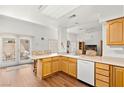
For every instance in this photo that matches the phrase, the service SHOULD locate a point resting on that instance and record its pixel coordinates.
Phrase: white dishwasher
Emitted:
(85, 71)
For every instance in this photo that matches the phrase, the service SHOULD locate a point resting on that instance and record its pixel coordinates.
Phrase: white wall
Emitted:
(73, 42)
(91, 37)
(62, 38)
(11, 25)
(72, 37)
(111, 51)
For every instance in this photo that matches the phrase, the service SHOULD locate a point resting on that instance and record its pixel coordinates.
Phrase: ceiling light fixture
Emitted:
(80, 29)
(72, 16)
(40, 7)
(76, 23)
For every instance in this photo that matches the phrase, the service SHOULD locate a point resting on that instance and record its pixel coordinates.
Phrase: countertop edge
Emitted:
(96, 59)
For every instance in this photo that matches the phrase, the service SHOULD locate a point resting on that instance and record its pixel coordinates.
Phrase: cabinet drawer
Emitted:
(102, 72)
(46, 59)
(101, 84)
(102, 66)
(102, 78)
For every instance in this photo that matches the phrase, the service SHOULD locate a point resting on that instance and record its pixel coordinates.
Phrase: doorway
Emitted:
(14, 50)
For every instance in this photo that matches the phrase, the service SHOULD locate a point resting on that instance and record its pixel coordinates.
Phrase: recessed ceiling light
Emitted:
(72, 16)
(76, 23)
(40, 6)
(80, 29)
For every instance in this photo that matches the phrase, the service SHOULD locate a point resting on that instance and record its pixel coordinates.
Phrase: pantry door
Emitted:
(25, 50)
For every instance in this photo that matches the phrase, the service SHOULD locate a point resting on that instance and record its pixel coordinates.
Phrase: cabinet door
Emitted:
(55, 66)
(60, 63)
(118, 77)
(123, 29)
(64, 65)
(46, 68)
(115, 32)
(72, 69)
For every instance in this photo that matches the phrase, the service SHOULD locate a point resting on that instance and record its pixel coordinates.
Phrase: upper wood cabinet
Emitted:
(115, 32)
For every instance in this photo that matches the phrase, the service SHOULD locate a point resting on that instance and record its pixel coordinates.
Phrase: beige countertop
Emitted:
(99, 59)
(44, 56)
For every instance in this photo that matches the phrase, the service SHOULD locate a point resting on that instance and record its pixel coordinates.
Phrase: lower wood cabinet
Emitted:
(55, 64)
(43, 67)
(102, 75)
(100, 83)
(69, 66)
(64, 66)
(72, 68)
(109, 76)
(46, 68)
(118, 76)
(105, 75)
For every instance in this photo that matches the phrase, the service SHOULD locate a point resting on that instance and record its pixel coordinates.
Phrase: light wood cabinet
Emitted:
(55, 64)
(109, 76)
(100, 83)
(115, 32)
(105, 75)
(103, 78)
(102, 66)
(118, 76)
(64, 67)
(72, 67)
(123, 29)
(46, 67)
(69, 66)
(50, 65)
(64, 64)
(102, 74)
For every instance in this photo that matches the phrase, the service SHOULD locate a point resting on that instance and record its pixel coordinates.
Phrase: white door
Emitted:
(8, 51)
(14, 50)
(24, 50)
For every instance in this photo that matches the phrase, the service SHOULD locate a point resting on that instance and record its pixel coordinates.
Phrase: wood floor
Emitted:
(23, 76)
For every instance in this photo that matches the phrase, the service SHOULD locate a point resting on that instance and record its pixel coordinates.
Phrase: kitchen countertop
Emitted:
(99, 59)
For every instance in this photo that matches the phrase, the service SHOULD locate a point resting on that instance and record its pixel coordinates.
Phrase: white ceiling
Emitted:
(94, 26)
(57, 11)
(30, 13)
(90, 13)
(90, 17)
(70, 16)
